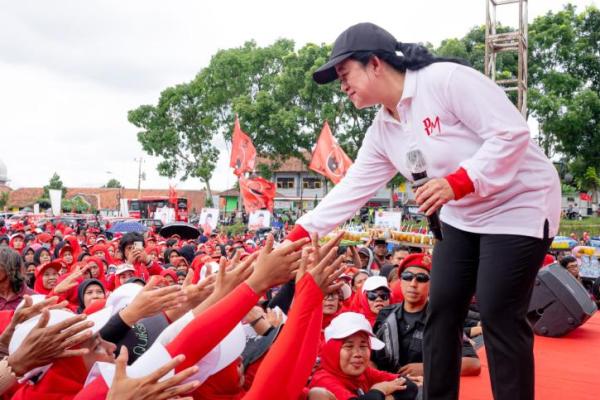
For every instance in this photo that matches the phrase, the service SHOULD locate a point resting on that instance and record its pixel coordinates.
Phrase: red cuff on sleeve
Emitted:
(460, 183)
(298, 233)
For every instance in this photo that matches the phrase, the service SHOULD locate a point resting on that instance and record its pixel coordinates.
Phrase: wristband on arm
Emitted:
(460, 183)
(297, 233)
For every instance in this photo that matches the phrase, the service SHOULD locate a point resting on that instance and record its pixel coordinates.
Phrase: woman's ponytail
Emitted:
(413, 56)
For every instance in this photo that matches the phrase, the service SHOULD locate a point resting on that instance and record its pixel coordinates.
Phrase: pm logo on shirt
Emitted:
(431, 126)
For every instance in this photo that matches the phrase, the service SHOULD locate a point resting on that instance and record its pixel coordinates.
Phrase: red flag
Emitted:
(257, 193)
(172, 195)
(585, 197)
(328, 158)
(243, 153)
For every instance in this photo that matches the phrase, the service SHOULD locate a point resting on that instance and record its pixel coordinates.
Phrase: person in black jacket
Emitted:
(401, 326)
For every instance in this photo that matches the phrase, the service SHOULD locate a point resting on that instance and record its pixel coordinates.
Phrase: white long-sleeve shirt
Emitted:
(457, 117)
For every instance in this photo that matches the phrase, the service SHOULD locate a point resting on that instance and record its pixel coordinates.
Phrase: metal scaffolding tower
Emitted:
(511, 41)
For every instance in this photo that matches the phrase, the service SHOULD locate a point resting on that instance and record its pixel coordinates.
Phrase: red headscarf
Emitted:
(360, 304)
(62, 381)
(225, 384)
(74, 243)
(331, 377)
(104, 249)
(101, 273)
(171, 273)
(38, 286)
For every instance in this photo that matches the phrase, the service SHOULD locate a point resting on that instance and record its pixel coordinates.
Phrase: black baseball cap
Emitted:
(360, 37)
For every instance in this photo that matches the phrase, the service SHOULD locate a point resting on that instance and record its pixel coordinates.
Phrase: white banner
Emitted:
(259, 219)
(209, 217)
(36, 208)
(123, 208)
(388, 219)
(55, 201)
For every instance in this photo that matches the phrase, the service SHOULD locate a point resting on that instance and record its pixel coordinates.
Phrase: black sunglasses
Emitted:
(372, 296)
(421, 277)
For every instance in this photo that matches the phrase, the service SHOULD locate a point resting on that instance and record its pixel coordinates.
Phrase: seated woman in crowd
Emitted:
(345, 370)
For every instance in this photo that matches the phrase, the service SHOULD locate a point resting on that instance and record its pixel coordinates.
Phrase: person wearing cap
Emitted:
(375, 295)
(12, 283)
(367, 259)
(405, 323)
(501, 195)
(123, 273)
(17, 242)
(380, 252)
(344, 370)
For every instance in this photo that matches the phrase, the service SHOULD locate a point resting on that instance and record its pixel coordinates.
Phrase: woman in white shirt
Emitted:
(500, 193)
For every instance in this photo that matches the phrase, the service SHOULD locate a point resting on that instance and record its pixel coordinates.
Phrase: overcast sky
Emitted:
(71, 69)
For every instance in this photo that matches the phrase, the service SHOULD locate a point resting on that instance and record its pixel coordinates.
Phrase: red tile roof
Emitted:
(292, 164)
(104, 198)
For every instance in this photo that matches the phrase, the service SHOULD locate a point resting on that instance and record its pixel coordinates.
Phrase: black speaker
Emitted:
(559, 303)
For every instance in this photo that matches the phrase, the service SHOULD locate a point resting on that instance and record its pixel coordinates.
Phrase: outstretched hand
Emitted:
(43, 344)
(274, 267)
(26, 311)
(152, 300)
(232, 274)
(150, 387)
(324, 270)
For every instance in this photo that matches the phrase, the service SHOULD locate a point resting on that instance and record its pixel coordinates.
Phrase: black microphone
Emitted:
(418, 168)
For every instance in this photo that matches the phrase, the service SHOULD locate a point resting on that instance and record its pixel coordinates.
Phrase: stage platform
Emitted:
(567, 368)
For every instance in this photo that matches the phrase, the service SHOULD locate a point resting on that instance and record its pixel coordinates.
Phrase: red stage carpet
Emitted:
(566, 368)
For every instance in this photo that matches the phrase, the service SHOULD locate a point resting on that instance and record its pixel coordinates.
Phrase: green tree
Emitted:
(564, 78)
(113, 183)
(3, 199)
(55, 183)
(279, 105)
(589, 181)
(179, 130)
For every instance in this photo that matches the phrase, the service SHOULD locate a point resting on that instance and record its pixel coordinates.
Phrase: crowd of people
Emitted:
(143, 316)
(85, 317)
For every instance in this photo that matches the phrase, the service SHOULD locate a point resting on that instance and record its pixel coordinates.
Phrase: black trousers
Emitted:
(500, 270)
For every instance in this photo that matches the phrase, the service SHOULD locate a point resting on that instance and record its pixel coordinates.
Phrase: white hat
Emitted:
(122, 296)
(348, 323)
(123, 268)
(375, 282)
